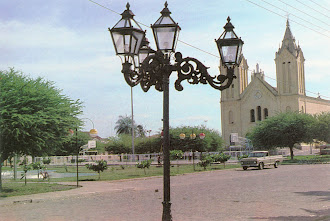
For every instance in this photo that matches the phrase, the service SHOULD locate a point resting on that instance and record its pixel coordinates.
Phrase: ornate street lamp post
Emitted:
(154, 69)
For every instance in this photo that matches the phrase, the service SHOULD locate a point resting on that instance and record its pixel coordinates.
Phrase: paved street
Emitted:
(286, 193)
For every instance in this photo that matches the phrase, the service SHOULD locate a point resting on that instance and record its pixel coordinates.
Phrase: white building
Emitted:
(243, 104)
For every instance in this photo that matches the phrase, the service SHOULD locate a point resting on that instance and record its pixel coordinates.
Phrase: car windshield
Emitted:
(257, 154)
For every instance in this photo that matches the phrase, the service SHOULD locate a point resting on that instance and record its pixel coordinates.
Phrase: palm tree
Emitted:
(140, 131)
(124, 125)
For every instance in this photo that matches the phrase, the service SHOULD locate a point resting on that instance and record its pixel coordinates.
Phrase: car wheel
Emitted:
(276, 164)
(261, 166)
(245, 168)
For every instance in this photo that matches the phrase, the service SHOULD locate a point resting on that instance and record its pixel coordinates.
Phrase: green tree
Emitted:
(120, 144)
(71, 145)
(99, 167)
(124, 126)
(34, 116)
(205, 161)
(283, 130)
(221, 157)
(38, 166)
(322, 127)
(176, 155)
(144, 164)
(211, 142)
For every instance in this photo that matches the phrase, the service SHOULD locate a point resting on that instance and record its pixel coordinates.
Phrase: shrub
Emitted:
(144, 164)
(222, 158)
(99, 167)
(46, 161)
(205, 161)
(243, 156)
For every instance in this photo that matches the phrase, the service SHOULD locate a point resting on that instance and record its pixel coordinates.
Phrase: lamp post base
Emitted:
(167, 215)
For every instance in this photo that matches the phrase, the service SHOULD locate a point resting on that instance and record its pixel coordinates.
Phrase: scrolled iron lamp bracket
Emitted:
(151, 72)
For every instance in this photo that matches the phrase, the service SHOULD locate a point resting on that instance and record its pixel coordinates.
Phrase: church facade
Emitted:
(244, 104)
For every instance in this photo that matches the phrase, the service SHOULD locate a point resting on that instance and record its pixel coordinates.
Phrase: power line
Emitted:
(312, 8)
(293, 15)
(104, 7)
(303, 12)
(320, 5)
(285, 18)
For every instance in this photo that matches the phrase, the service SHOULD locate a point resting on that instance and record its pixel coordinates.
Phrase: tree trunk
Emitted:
(291, 152)
(0, 175)
(25, 178)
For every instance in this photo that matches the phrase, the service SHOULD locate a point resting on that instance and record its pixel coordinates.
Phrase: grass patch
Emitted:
(308, 159)
(18, 189)
(129, 172)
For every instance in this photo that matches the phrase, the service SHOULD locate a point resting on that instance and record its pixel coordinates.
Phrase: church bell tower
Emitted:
(289, 60)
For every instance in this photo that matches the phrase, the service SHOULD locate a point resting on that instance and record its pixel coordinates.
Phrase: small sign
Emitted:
(91, 144)
(234, 137)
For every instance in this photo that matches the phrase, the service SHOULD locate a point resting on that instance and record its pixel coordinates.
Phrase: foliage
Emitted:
(124, 126)
(243, 156)
(46, 161)
(35, 116)
(176, 154)
(148, 145)
(120, 144)
(38, 166)
(140, 131)
(72, 144)
(283, 130)
(221, 157)
(144, 164)
(308, 159)
(99, 167)
(205, 161)
(211, 142)
(322, 127)
(26, 168)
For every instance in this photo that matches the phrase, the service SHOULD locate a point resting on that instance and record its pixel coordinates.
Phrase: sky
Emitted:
(68, 43)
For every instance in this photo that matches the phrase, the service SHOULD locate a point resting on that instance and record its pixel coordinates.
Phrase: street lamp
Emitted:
(93, 133)
(156, 68)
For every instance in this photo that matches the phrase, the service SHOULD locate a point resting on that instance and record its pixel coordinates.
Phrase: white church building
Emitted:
(244, 104)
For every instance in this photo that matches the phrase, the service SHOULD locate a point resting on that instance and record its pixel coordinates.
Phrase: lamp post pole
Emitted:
(132, 109)
(152, 68)
(166, 150)
(77, 156)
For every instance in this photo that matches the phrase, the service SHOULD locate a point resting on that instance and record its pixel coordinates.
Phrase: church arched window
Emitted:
(265, 113)
(231, 117)
(259, 113)
(252, 115)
